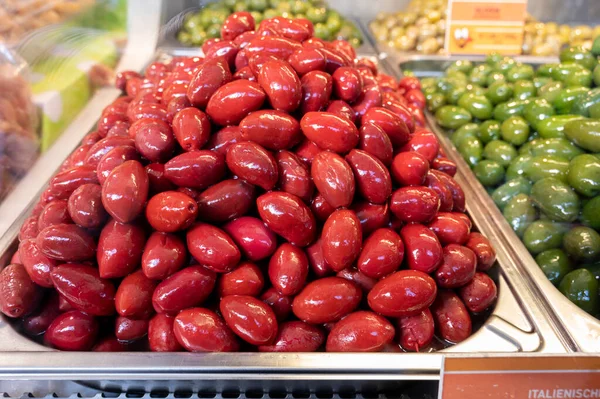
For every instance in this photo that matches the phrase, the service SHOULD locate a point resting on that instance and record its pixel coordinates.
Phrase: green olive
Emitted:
(542, 166)
(499, 92)
(467, 130)
(583, 243)
(452, 117)
(555, 199)
(517, 166)
(523, 89)
(489, 130)
(555, 264)
(543, 235)
(477, 105)
(470, 149)
(489, 173)
(590, 214)
(503, 194)
(581, 288)
(500, 151)
(515, 130)
(584, 175)
(519, 212)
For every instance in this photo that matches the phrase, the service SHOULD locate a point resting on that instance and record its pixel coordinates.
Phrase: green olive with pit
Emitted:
(477, 105)
(500, 151)
(471, 149)
(542, 166)
(503, 194)
(581, 288)
(517, 166)
(489, 130)
(489, 173)
(515, 130)
(452, 117)
(584, 175)
(556, 199)
(543, 235)
(520, 212)
(555, 264)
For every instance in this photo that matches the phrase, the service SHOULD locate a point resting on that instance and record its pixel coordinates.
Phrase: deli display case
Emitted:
(161, 65)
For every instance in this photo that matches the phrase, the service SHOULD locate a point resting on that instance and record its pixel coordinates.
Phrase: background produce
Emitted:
(206, 23)
(532, 137)
(221, 206)
(421, 27)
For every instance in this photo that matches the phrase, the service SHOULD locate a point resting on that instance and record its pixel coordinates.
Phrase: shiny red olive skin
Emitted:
(272, 129)
(294, 176)
(221, 140)
(307, 151)
(83, 288)
(102, 147)
(37, 265)
(112, 344)
(390, 123)
(369, 98)
(55, 212)
(373, 179)
(416, 332)
(458, 267)
(401, 111)
(316, 91)
(296, 336)
(191, 128)
(251, 319)
(254, 164)
(225, 49)
(286, 215)
(212, 74)
(333, 178)
(376, 142)
(281, 304)
(321, 208)
(449, 228)
(410, 168)
(66, 242)
(281, 84)
(225, 200)
(202, 330)
(213, 248)
(236, 24)
(233, 101)
(120, 248)
(329, 131)
(176, 105)
(38, 322)
(480, 293)
(434, 182)
(157, 179)
(64, 183)
(305, 60)
(444, 165)
(85, 206)
(382, 254)
(423, 249)
(325, 300)
(256, 62)
(247, 279)
(414, 204)
(196, 169)
(486, 255)
(347, 84)
(171, 211)
(184, 289)
(134, 296)
(127, 329)
(19, 296)
(254, 239)
(360, 331)
(365, 283)
(371, 216)
(451, 317)
(161, 337)
(288, 269)
(163, 255)
(72, 331)
(279, 47)
(341, 108)
(458, 195)
(342, 239)
(288, 28)
(316, 260)
(125, 191)
(403, 293)
(154, 139)
(425, 143)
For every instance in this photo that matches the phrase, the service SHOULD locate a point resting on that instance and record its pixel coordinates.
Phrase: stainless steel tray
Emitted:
(582, 329)
(518, 325)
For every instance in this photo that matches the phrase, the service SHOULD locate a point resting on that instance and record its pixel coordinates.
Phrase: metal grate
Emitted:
(73, 390)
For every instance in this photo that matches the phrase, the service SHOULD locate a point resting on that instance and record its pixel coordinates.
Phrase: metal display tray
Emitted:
(518, 325)
(582, 328)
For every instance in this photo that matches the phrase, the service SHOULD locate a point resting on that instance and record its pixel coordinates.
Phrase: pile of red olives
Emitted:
(277, 194)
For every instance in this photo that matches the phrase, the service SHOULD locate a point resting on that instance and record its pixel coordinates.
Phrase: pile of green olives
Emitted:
(206, 23)
(532, 138)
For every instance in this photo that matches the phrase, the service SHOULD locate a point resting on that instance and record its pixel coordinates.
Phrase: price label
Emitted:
(485, 26)
(540, 377)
